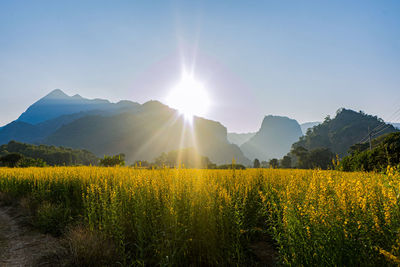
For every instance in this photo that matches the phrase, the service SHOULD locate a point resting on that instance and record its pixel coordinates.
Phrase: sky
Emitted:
(301, 59)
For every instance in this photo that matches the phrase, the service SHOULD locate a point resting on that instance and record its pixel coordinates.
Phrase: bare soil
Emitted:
(22, 246)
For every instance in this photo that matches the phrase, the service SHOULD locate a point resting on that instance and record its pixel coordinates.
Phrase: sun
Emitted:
(189, 97)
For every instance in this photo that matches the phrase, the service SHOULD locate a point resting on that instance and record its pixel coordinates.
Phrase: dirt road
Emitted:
(21, 246)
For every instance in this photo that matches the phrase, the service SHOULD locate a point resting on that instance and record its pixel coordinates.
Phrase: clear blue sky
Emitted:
(302, 59)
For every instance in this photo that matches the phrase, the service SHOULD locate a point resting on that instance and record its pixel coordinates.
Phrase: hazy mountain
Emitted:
(346, 129)
(308, 125)
(142, 132)
(55, 110)
(396, 125)
(144, 135)
(239, 138)
(57, 103)
(36, 133)
(274, 138)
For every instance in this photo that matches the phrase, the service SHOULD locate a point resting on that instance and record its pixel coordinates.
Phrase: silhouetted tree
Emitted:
(109, 161)
(302, 157)
(11, 160)
(274, 163)
(256, 163)
(286, 162)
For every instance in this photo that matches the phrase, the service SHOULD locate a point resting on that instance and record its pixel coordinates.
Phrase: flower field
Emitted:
(214, 217)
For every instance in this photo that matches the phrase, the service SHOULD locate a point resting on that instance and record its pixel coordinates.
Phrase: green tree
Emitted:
(256, 163)
(274, 163)
(11, 160)
(302, 157)
(286, 162)
(110, 161)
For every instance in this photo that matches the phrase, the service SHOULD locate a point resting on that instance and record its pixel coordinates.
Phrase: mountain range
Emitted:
(140, 131)
(273, 140)
(144, 131)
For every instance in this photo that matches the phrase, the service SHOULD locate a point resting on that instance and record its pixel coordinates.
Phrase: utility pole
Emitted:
(369, 137)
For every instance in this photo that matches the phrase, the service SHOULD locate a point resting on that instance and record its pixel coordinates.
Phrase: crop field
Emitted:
(215, 217)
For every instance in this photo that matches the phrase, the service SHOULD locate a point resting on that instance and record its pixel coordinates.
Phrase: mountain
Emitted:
(239, 138)
(396, 125)
(308, 125)
(274, 138)
(55, 110)
(142, 132)
(145, 134)
(346, 129)
(57, 103)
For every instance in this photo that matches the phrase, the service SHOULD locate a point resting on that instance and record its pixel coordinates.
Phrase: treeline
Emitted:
(15, 154)
(302, 158)
(333, 144)
(385, 152)
(184, 158)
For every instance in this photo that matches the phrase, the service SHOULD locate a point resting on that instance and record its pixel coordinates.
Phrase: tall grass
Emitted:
(211, 217)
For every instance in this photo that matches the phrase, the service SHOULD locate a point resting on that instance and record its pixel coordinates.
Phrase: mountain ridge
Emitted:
(57, 103)
(274, 139)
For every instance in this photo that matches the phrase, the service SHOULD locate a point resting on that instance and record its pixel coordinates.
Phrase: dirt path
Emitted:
(20, 246)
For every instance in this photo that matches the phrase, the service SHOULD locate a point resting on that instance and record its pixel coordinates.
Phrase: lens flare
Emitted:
(189, 97)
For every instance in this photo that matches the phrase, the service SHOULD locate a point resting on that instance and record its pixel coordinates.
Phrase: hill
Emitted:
(143, 135)
(51, 155)
(346, 129)
(274, 138)
(396, 125)
(57, 103)
(385, 151)
(308, 125)
(239, 138)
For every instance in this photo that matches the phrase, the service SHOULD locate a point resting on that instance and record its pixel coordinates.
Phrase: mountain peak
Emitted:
(57, 93)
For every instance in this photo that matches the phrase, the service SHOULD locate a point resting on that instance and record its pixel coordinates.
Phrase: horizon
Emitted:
(141, 103)
(303, 61)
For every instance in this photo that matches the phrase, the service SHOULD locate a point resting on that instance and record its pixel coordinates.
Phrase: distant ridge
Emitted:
(57, 103)
(142, 132)
(274, 138)
(239, 138)
(308, 125)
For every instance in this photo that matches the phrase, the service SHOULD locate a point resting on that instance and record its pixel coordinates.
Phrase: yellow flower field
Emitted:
(211, 217)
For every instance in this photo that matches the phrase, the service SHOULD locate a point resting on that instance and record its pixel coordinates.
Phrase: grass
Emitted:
(214, 217)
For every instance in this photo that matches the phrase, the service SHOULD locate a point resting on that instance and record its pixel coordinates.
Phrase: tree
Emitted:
(302, 157)
(11, 160)
(30, 162)
(316, 158)
(321, 158)
(110, 161)
(286, 162)
(274, 163)
(256, 163)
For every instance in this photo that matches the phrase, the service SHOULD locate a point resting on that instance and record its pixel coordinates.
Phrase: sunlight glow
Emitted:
(189, 97)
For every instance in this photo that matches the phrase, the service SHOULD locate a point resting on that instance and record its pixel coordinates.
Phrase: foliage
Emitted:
(274, 163)
(286, 162)
(184, 217)
(319, 158)
(111, 161)
(231, 166)
(346, 129)
(385, 152)
(186, 157)
(256, 163)
(53, 156)
(11, 159)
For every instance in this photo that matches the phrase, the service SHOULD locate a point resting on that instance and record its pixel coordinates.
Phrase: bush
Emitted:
(51, 218)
